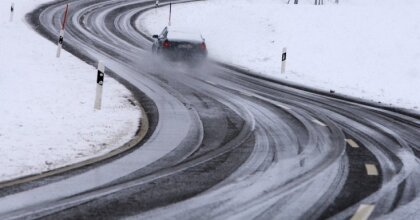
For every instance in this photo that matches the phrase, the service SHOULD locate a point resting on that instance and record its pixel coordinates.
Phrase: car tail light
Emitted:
(166, 44)
(203, 46)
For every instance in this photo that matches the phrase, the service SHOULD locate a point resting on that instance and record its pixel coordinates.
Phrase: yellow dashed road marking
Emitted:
(371, 169)
(282, 106)
(363, 212)
(319, 123)
(352, 143)
(212, 83)
(246, 94)
(276, 103)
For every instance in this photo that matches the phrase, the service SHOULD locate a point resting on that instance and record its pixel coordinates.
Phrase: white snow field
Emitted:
(47, 117)
(363, 48)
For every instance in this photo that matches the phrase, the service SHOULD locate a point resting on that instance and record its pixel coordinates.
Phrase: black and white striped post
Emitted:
(12, 11)
(283, 60)
(99, 85)
(60, 43)
(157, 4)
(61, 37)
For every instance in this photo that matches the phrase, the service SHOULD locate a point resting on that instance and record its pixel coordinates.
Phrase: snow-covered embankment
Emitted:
(363, 48)
(47, 119)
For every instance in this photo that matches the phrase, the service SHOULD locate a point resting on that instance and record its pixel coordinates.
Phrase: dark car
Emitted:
(179, 44)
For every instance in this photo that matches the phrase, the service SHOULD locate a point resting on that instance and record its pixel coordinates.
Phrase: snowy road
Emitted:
(224, 144)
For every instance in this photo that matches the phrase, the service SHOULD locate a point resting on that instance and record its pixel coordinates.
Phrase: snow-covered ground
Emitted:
(363, 48)
(47, 119)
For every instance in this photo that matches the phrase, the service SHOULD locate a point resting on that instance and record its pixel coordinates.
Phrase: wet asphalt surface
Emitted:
(223, 143)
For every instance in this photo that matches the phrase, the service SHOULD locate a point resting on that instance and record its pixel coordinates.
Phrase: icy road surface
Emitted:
(226, 144)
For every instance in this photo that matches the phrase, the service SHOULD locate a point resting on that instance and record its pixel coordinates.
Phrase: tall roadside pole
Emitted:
(99, 85)
(170, 13)
(12, 11)
(63, 26)
(156, 5)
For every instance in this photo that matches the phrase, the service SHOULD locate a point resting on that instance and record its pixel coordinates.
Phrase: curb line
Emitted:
(140, 134)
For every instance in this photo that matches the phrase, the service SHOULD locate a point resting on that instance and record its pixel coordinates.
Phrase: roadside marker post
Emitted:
(60, 43)
(283, 60)
(170, 13)
(61, 37)
(99, 85)
(12, 11)
(157, 4)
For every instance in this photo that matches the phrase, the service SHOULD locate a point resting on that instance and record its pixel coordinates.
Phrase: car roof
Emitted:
(184, 34)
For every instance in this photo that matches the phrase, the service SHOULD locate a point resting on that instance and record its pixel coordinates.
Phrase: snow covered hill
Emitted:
(363, 48)
(47, 119)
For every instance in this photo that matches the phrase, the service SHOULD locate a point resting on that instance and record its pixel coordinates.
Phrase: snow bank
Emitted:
(47, 118)
(363, 48)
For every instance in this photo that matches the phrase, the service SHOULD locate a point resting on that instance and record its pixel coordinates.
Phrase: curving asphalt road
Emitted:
(225, 144)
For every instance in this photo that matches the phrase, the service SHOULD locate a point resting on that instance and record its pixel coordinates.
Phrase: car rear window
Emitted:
(184, 36)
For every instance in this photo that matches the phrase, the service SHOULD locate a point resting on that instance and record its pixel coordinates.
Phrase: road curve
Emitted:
(227, 145)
